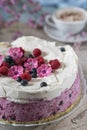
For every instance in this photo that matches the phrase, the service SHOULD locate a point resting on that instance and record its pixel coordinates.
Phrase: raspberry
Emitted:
(18, 62)
(40, 60)
(36, 52)
(50, 62)
(21, 61)
(4, 70)
(26, 76)
(55, 64)
(5, 64)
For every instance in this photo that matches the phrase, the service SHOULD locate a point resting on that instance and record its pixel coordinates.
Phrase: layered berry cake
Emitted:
(39, 81)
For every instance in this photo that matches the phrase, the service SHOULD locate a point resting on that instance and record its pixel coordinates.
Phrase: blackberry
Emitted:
(43, 84)
(31, 56)
(24, 82)
(12, 64)
(19, 79)
(34, 75)
(9, 60)
(62, 49)
(34, 70)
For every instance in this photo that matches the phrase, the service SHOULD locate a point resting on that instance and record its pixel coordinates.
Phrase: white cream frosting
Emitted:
(61, 79)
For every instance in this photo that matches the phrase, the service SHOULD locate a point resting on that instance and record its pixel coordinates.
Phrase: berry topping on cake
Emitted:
(18, 62)
(40, 60)
(43, 84)
(62, 49)
(5, 64)
(22, 66)
(55, 64)
(16, 52)
(44, 70)
(12, 64)
(21, 61)
(26, 76)
(33, 73)
(31, 56)
(15, 71)
(19, 79)
(24, 82)
(34, 70)
(31, 63)
(9, 60)
(36, 52)
(3, 70)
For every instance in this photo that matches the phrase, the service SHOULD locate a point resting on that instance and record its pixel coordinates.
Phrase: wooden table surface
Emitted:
(77, 120)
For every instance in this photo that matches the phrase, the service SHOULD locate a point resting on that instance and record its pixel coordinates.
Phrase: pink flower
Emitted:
(1, 59)
(15, 71)
(32, 23)
(31, 63)
(16, 53)
(24, 6)
(44, 70)
(13, 2)
(10, 22)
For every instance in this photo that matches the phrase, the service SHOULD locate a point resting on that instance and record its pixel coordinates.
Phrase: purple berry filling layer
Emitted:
(39, 109)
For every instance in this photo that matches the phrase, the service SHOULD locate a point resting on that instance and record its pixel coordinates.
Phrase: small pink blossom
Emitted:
(44, 70)
(31, 63)
(13, 2)
(1, 59)
(16, 52)
(15, 71)
(10, 22)
(24, 6)
(32, 23)
(7, 9)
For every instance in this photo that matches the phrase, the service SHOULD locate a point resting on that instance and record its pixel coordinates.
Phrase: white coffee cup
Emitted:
(67, 25)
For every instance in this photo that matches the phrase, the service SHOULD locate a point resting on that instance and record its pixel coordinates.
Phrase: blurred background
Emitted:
(30, 12)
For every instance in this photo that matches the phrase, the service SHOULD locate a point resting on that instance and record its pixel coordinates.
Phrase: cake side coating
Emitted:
(59, 81)
(40, 110)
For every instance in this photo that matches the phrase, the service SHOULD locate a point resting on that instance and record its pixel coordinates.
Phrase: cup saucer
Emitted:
(52, 31)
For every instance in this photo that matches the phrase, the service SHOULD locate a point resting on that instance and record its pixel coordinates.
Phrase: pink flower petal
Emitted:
(31, 63)
(16, 53)
(44, 70)
(15, 71)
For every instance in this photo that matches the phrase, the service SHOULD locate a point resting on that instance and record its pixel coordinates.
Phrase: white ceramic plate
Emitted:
(53, 32)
